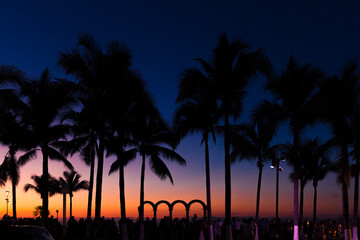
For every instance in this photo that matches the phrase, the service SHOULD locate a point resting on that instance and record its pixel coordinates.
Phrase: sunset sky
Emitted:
(164, 37)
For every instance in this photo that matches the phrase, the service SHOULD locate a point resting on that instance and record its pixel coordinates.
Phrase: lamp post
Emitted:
(7, 203)
(276, 164)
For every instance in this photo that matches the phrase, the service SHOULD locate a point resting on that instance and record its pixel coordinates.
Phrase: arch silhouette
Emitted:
(153, 206)
(202, 204)
(187, 208)
(171, 206)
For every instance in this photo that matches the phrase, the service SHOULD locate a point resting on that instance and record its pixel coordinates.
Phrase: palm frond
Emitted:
(160, 169)
(27, 157)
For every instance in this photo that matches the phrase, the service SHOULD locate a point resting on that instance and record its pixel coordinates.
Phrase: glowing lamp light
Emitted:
(272, 166)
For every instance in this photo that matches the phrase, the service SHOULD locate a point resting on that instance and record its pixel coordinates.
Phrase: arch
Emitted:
(168, 204)
(153, 206)
(202, 204)
(187, 208)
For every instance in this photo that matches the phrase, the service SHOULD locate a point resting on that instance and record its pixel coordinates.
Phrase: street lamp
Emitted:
(275, 164)
(7, 203)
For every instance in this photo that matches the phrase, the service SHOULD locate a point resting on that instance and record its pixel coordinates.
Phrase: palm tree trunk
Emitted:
(123, 233)
(64, 214)
(99, 178)
(277, 189)
(260, 165)
(344, 186)
(45, 195)
(208, 189)
(141, 207)
(227, 178)
(91, 187)
(315, 200)
(302, 186)
(356, 200)
(70, 205)
(296, 185)
(14, 199)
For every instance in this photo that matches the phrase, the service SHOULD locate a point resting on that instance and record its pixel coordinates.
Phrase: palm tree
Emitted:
(151, 134)
(123, 158)
(338, 97)
(197, 113)
(72, 181)
(315, 164)
(252, 141)
(46, 100)
(293, 91)
(84, 142)
(319, 167)
(103, 76)
(39, 211)
(229, 72)
(355, 168)
(12, 134)
(52, 185)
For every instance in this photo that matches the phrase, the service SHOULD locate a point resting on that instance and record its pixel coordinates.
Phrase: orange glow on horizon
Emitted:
(189, 185)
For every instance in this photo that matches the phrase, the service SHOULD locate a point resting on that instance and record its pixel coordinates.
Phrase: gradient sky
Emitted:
(164, 37)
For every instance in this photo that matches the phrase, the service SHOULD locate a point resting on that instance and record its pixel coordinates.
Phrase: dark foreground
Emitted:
(181, 229)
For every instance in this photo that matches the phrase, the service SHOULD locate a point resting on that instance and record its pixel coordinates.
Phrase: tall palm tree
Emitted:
(72, 181)
(252, 141)
(196, 112)
(229, 72)
(84, 142)
(123, 158)
(46, 100)
(103, 75)
(292, 90)
(151, 135)
(338, 97)
(315, 164)
(13, 134)
(355, 124)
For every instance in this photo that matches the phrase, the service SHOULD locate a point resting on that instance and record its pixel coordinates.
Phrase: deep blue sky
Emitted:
(165, 36)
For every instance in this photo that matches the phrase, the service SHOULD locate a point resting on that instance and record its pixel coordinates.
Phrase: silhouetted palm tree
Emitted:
(39, 211)
(40, 184)
(338, 98)
(315, 164)
(293, 91)
(252, 141)
(151, 135)
(72, 180)
(123, 158)
(13, 134)
(319, 166)
(355, 124)
(229, 72)
(46, 100)
(103, 76)
(84, 142)
(197, 113)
